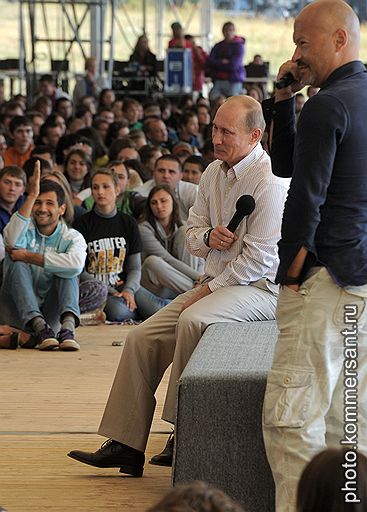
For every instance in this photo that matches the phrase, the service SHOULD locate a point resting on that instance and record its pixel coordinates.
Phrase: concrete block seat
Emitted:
(218, 430)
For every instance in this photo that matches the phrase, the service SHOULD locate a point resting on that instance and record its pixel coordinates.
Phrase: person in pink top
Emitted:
(199, 58)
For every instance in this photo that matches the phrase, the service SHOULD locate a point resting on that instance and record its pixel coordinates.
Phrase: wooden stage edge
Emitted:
(51, 403)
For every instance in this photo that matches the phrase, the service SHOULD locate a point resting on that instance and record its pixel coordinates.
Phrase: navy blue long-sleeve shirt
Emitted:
(326, 208)
(5, 215)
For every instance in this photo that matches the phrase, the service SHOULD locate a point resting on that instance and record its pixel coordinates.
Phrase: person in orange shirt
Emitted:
(22, 134)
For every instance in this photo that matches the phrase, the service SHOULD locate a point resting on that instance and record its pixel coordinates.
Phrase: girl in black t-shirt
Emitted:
(114, 252)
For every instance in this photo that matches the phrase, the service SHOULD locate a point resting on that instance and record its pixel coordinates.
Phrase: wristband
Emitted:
(292, 280)
(206, 237)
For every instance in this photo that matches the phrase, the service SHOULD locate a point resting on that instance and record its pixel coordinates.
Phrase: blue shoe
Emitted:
(47, 339)
(66, 340)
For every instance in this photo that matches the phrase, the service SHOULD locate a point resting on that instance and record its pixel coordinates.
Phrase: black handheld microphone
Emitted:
(286, 80)
(244, 206)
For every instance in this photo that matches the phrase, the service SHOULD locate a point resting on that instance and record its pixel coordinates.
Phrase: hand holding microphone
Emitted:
(221, 237)
(287, 79)
(287, 76)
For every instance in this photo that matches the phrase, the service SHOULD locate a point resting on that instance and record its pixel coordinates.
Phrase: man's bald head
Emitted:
(326, 34)
(247, 110)
(331, 15)
(237, 128)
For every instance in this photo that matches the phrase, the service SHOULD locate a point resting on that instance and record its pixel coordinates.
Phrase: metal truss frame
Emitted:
(105, 25)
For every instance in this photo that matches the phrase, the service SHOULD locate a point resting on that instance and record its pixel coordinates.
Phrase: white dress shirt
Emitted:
(254, 255)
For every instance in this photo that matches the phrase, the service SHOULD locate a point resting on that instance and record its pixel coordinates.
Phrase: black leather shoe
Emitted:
(164, 458)
(113, 455)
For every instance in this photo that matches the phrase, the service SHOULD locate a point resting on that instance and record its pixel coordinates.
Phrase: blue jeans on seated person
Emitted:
(147, 304)
(226, 88)
(19, 303)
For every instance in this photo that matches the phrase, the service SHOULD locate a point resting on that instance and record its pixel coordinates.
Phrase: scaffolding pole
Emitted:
(96, 39)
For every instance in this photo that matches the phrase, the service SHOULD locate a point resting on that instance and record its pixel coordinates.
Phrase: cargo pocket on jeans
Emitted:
(288, 398)
(349, 310)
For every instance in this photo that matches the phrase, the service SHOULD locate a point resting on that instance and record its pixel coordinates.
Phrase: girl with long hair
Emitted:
(77, 170)
(168, 268)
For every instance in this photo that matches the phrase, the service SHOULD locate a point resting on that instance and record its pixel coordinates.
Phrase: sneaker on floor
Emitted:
(67, 340)
(47, 339)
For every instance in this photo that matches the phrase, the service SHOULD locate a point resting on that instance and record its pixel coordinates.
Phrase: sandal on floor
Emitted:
(9, 341)
(28, 341)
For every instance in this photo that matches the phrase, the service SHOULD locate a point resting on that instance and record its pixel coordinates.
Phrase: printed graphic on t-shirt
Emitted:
(106, 258)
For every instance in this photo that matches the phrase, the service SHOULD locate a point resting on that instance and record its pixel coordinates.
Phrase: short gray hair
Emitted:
(254, 118)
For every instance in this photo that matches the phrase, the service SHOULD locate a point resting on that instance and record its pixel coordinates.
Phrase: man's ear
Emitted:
(255, 136)
(340, 39)
(62, 210)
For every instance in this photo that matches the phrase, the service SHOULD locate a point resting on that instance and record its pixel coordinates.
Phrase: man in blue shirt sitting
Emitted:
(40, 289)
(12, 185)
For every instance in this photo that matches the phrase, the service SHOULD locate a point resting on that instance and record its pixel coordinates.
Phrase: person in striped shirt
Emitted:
(238, 285)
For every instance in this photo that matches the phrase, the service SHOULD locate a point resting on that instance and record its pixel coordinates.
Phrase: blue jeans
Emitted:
(225, 88)
(147, 304)
(19, 304)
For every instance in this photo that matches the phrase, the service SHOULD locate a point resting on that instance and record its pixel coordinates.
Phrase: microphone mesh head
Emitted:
(245, 204)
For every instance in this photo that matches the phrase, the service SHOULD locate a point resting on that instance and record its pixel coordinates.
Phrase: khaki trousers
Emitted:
(305, 406)
(171, 336)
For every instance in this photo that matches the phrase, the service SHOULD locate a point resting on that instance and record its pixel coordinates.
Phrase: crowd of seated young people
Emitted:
(129, 172)
(74, 138)
(146, 144)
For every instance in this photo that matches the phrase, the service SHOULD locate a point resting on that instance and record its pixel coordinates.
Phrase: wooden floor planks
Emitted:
(50, 403)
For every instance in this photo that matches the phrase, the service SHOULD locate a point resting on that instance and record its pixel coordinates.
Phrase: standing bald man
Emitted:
(238, 285)
(316, 394)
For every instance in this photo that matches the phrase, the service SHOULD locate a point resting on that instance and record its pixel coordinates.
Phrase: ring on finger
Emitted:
(221, 242)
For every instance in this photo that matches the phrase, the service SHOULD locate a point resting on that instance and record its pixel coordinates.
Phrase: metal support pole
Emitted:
(102, 31)
(21, 48)
(112, 42)
(95, 25)
(159, 23)
(144, 16)
(206, 24)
